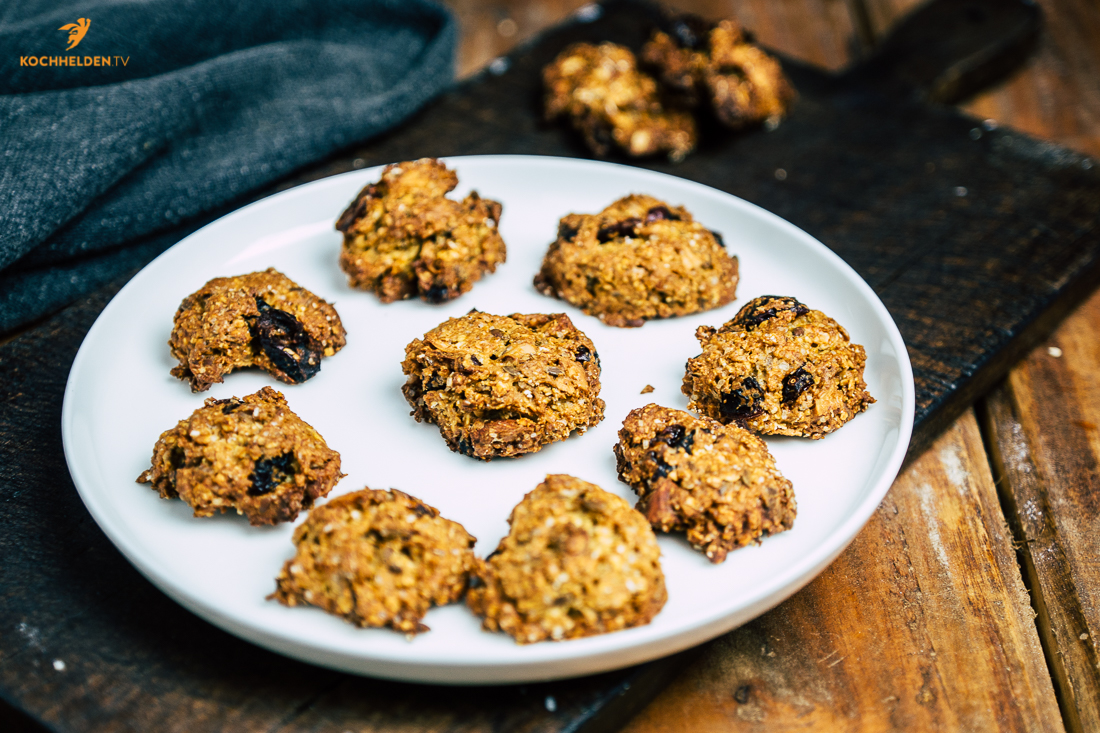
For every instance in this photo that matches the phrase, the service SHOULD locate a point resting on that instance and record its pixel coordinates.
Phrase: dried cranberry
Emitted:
(567, 231)
(269, 473)
(660, 213)
(436, 294)
(357, 208)
(795, 383)
(676, 436)
(626, 228)
(583, 354)
(754, 314)
(742, 403)
(662, 469)
(287, 343)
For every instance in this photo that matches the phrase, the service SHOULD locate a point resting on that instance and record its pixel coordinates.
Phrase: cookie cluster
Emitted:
(577, 560)
(689, 67)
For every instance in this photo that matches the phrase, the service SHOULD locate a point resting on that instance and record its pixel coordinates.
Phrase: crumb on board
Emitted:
(647, 389)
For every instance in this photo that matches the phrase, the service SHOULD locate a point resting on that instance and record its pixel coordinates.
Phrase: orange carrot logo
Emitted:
(76, 32)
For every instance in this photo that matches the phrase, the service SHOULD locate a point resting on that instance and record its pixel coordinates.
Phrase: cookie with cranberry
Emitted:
(403, 238)
(601, 92)
(504, 385)
(377, 558)
(778, 368)
(577, 561)
(715, 65)
(262, 319)
(638, 259)
(251, 455)
(716, 483)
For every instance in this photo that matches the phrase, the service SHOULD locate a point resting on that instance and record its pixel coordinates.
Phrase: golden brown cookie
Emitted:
(504, 385)
(377, 558)
(701, 63)
(253, 455)
(718, 483)
(577, 561)
(778, 368)
(404, 238)
(609, 102)
(261, 319)
(638, 259)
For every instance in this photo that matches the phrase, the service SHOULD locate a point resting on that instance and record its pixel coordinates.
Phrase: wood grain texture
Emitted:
(1056, 96)
(1041, 423)
(1044, 427)
(922, 624)
(491, 29)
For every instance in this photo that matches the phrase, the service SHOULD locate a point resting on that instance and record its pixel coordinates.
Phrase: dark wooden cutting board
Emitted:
(873, 168)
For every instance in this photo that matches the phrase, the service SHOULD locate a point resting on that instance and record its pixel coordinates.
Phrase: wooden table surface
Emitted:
(970, 600)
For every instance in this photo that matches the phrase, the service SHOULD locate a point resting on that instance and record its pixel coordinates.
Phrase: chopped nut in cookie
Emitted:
(577, 561)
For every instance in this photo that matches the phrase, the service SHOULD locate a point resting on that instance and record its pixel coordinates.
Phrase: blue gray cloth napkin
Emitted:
(124, 125)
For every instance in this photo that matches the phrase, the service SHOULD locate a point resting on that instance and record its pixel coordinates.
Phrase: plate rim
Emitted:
(593, 657)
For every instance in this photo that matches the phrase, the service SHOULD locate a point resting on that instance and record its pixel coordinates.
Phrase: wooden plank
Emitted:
(489, 30)
(1038, 430)
(1057, 95)
(922, 624)
(1044, 425)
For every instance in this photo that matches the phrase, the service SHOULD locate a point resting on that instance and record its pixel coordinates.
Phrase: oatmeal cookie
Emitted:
(577, 561)
(610, 102)
(778, 368)
(377, 558)
(404, 238)
(697, 62)
(718, 483)
(261, 319)
(638, 259)
(252, 454)
(504, 385)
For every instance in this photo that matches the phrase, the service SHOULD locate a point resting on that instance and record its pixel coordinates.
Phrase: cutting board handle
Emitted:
(947, 50)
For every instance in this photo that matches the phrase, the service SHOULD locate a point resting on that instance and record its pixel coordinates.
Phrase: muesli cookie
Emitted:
(577, 561)
(715, 64)
(778, 368)
(610, 103)
(253, 455)
(377, 558)
(262, 319)
(504, 385)
(717, 483)
(404, 238)
(638, 259)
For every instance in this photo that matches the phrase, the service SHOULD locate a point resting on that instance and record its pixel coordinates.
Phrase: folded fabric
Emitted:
(123, 122)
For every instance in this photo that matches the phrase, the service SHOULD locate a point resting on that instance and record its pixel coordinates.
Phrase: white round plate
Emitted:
(120, 397)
